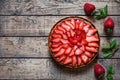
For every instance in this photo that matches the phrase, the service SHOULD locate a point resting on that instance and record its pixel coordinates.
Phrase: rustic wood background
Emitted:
(24, 29)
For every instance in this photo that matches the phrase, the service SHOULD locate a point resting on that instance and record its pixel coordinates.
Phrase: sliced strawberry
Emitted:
(72, 53)
(74, 61)
(58, 31)
(82, 48)
(72, 33)
(93, 44)
(92, 39)
(77, 24)
(78, 51)
(84, 58)
(68, 60)
(91, 32)
(84, 42)
(71, 25)
(81, 24)
(55, 40)
(64, 41)
(55, 45)
(75, 47)
(83, 35)
(64, 36)
(61, 58)
(65, 26)
(73, 22)
(56, 35)
(78, 32)
(86, 27)
(79, 38)
(88, 54)
(79, 61)
(59, 53)
(73, 41)
(91, 49)
(65, 45)
(56, 49)
(79, 44)
(61, 28)
(68, 34)
(68, 50)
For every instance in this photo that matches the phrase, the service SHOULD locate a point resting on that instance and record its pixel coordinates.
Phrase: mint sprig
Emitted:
(110, 69)
(102, 13)
(109, 77)
(110, 49)
(110, 72)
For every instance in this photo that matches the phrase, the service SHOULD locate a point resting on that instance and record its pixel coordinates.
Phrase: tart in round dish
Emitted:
(74, 42)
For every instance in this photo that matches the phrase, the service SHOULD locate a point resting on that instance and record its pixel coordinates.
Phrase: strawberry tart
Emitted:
(74, 42)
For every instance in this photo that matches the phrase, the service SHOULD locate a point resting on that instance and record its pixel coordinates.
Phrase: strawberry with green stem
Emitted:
(89, 9)
(99, 71)
(109, 26)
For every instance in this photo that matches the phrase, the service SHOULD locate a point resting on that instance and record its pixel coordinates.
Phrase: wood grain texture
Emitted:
(36, 47)
(53, 7)
(41, 25)
(48, 69)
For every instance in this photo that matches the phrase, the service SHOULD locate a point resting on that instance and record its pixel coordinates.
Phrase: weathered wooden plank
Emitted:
(41, 25)
(28, 69)
(57, 7)
(36, 47)
(48, 69)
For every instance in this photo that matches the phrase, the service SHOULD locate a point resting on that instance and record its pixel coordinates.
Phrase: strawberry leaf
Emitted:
(110, 69)
(101, 76)
(94, 12)
(113, 44)
(109, 77)
(109, 30)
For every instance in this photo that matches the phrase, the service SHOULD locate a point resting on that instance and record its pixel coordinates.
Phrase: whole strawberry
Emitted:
(99, 71)
(109, 26)
(89, 8)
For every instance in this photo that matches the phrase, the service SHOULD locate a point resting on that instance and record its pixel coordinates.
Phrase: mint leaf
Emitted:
(116, 48)
(113, 44)
(102, 12)
(110, 69)
(109, 77)
(105, 10)
(105, 48)
(107, 54)
(110, 49)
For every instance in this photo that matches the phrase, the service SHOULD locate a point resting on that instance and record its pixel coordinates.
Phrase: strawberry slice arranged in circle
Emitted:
(84, 58)
(59, 53)
(68, 50)
(68, 60)
(74, 61)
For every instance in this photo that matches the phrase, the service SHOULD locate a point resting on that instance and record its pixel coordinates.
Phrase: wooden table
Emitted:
(24, 29)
